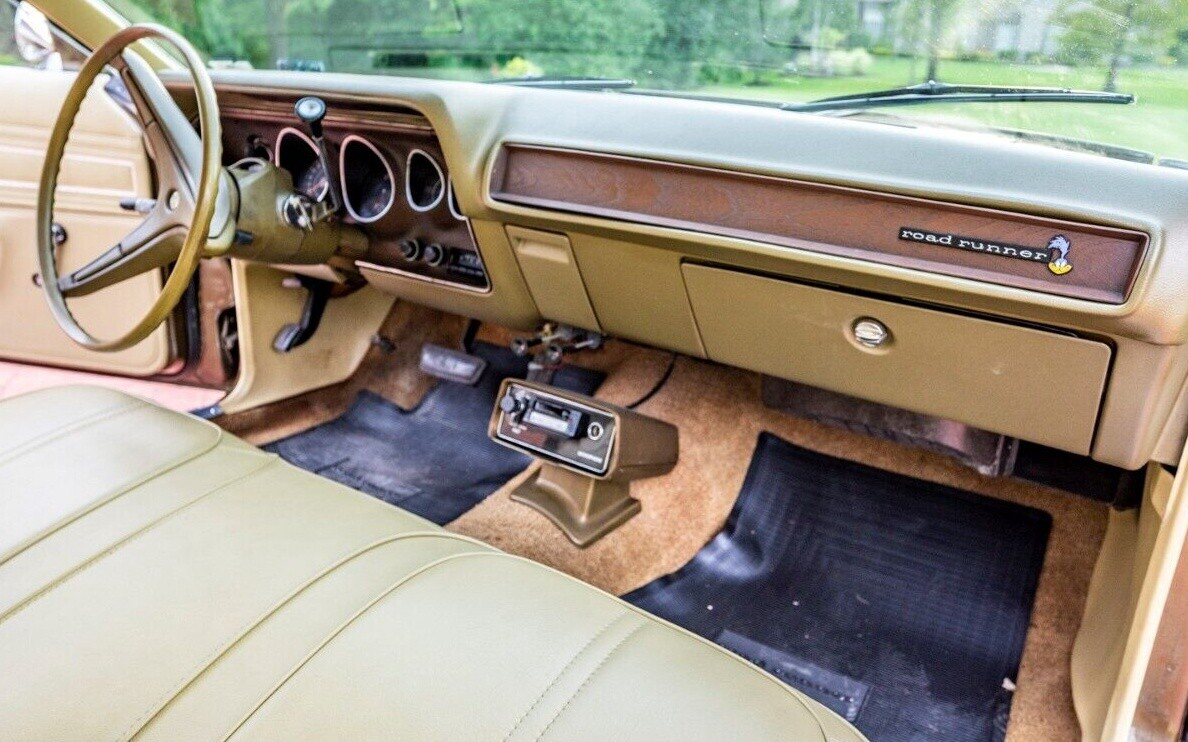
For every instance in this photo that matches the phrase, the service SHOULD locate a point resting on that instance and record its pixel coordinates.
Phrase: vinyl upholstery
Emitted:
(161, 579)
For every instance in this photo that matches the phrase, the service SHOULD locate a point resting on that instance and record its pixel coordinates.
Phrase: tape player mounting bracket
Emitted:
(590, 451)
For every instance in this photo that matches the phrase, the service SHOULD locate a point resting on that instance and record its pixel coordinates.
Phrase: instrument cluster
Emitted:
(367, 178)
(394, 186)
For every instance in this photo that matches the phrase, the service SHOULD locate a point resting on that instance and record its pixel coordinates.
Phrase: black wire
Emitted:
(659, 384)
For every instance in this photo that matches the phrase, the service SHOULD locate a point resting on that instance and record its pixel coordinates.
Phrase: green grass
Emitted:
(1157, 123)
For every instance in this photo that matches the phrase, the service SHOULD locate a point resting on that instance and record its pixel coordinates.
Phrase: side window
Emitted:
(27, 38)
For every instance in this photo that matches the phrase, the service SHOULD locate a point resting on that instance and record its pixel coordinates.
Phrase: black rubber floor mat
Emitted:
(436, 460)
(900, 604)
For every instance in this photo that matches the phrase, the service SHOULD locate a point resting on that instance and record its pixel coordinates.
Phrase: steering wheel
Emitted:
(178, 224)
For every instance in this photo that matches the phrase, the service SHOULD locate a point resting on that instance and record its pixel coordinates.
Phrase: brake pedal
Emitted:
(451, 365)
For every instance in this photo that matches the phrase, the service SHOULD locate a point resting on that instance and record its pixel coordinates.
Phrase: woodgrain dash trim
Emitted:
(836, 220)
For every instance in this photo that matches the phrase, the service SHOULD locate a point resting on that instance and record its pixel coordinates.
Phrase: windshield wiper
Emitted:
(939, 92)
(572, 83)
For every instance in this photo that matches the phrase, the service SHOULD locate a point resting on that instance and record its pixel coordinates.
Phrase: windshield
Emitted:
(750, 50)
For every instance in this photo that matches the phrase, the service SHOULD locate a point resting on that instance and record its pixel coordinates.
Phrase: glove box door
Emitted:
(1037, 385)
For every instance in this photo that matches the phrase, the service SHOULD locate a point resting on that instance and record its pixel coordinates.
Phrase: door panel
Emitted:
(105, 161)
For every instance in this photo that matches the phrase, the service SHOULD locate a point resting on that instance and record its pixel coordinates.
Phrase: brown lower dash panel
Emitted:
(1052, 256)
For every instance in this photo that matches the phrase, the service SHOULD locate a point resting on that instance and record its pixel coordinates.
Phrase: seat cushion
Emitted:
(162, 579)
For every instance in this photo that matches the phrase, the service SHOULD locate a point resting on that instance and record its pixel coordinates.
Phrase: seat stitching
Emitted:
(113, 548)
(589, 677)
(563, 670)
(60, 432)
(119, 491)
(670, 626)
(335, 633)
(227, 644)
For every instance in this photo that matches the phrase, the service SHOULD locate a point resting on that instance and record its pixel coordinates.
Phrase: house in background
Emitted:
(1018, 27)
(876, 17)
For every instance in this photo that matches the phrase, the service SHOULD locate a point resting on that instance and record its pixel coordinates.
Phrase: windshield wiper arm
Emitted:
(939, 92)
(571, 83)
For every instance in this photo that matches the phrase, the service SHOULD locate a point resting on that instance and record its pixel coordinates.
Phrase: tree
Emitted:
(927, 23)
(205, 23)
(566, 37)
(940, 18)
(819, 29)
(1117, 31)
(709, 40)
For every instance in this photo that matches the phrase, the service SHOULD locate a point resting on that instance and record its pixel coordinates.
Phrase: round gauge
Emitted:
(367, 179)
(313, 181)
(424, 183)
(296, 152)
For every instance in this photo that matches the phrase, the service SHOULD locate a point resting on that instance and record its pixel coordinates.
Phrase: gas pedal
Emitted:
(451, 365)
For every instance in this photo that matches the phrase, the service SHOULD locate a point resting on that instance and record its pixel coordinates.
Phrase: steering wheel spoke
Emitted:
(138, 253)
(155, 243)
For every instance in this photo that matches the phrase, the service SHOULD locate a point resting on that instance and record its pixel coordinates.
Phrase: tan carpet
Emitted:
(720, 416)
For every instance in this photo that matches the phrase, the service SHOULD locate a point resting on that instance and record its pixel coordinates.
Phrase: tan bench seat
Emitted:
(160, 579)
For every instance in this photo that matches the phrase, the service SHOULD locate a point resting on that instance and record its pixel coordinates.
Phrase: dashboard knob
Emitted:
(410, 249)
(434, 254)
(513, 406)
(311, 110)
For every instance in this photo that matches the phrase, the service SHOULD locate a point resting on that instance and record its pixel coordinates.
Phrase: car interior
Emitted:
(414, 408)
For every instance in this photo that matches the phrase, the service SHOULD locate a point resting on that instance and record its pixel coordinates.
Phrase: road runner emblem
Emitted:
(1055, 255)
(1059, 245)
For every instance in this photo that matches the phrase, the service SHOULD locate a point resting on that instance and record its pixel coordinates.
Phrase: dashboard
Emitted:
(391, 173)
(1025, 290)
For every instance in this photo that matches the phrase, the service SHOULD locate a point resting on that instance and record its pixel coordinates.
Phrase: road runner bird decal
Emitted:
(1059, 245)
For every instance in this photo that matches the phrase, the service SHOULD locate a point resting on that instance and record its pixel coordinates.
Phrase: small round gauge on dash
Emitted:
(367, 179)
